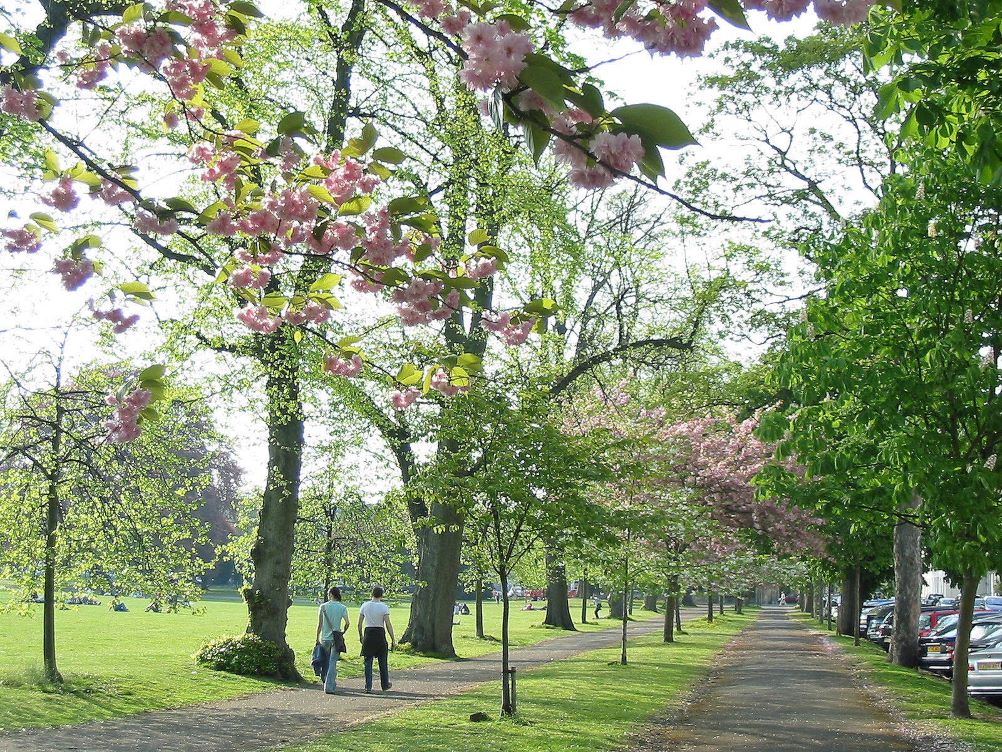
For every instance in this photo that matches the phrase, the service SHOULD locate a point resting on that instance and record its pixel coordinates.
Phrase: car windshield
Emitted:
(980, 631)
(993, 601)
(924, 621)
(946, 624)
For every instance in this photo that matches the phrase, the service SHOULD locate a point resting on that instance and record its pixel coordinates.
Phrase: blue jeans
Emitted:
(384, 672)
(329, 675)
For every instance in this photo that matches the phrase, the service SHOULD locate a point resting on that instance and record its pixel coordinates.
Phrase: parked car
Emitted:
(932, 599)
(876, 618)
(949, 602)
(936, 650)
(984, 678)
(930, 620)
(869, 611)
(993, 602)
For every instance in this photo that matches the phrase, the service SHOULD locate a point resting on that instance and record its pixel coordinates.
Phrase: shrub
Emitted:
(247, 654)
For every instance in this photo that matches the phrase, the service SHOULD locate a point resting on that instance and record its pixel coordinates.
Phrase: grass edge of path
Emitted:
(570, 705)
(918, 697)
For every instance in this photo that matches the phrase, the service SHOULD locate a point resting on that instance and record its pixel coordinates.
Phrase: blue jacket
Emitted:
(320, 659)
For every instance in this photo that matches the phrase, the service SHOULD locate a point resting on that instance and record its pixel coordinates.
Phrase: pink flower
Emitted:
(149, 224)
(113, 194)
(151, 47)
(98, 69)
(481, 268)
(403, 400)
(26, 239)
(22, 104)
(117, 318)
(74, 273)
(494, 54)
(258, 319)
(843, 12)
(248, 278)
(124, 424)
(336, 365)
(455, 24)
(63, 197)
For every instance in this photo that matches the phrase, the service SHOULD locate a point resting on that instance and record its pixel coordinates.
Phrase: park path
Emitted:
(271, 719)
(777, 690)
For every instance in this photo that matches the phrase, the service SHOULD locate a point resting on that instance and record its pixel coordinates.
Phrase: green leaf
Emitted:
(320, 193)
(389, 154)
(250, 126)
(588, 98)
(150, 414)
(541, 307)
(133, 13)
(536, 138)
(136, 290)
(52, 160)
(361, 145)
(426, 384)
(546, 82)
(176, 18)
(655, 123)
(470, 362)
(245, 9)
(408, 205)
(297, 336)
(180, 204)
(292, 123)
(274, 301)
(9, 43)
(462, 283)
(731, 11)
(45, 221)
(153, 373)
(326, 282)
(409, 375)
(355, 206)
(622, 9)
(478, 236)
(458, 376)
(517, 23)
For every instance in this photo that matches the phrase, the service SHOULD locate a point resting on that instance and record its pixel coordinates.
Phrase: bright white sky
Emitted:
(36, 306)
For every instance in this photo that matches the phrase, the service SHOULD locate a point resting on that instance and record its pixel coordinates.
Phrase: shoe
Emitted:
(329, 693)
(387, 688)
(368, 691)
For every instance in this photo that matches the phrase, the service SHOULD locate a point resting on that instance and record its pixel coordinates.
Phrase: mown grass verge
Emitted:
(920, 697)
(587, 702)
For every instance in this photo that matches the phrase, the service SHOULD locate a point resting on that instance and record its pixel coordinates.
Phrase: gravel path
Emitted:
(271, 719)
(778, 691)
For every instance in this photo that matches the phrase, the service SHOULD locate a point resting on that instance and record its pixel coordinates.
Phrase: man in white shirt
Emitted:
(373, 626)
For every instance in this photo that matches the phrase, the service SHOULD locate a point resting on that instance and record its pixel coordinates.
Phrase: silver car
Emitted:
(984, 678)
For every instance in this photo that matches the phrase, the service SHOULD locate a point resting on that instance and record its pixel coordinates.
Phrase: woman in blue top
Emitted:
(330, 634)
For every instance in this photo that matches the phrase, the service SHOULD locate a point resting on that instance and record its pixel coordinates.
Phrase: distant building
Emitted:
(937, 582)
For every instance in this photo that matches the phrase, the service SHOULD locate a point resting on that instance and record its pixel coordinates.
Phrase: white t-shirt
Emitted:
(372, 612)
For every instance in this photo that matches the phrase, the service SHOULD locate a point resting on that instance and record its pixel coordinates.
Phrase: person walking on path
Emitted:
(374, 619)
(597, 603)
(330, 634)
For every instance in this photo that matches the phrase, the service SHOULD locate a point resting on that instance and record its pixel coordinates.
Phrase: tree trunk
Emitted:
(857, 607)
(583, 594)
(480, 608)
(627, 593)
(268, 595)
(739, 605)
(845, 615)
(720, 604)
(429, 628)
(904, 650)
(558, 608)
(709, 607)
(651, 602)
(808, 601)
(828, 606)
(615, 606)
(52, 511)
(960, 706)
(506, 708)
(678, 617)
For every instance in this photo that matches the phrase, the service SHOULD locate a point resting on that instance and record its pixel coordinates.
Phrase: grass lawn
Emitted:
(121, 663)
(573, 705)
(924, 698)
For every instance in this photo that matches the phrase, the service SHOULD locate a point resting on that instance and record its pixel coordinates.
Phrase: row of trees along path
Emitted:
(271, 719)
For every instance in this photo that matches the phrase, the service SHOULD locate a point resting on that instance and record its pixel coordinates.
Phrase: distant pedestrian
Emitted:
(456, 611)
(497, 597)
(374, 619)
(596, 601)
(332, 622)
(782, 598)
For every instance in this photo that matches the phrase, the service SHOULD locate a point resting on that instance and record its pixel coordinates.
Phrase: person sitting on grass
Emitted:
(330, 635)
(374, 619)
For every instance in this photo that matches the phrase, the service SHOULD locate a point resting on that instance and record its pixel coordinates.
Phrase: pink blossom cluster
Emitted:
(183, 75)
(511, 332)
(22, 104)
(247, 277)
(419, 302)
(401, 400)
(367, 283)
(430, 8)
(843, 12)
(74, 273)
(664, 26)
(63, 197)
(117, 318)
(336, 235)
(381, 248)
(258, 319)
(220, 165)
(25, 239)
(495, 54)
(337, 365)
(271, 256)
(347, 176)
(619, 151)
(441, 382)
(97, 69)
(481, 268)
(124, 424)
(210, 30)
(113, 194)
(151, 46)
(148, 223)
(312, 312)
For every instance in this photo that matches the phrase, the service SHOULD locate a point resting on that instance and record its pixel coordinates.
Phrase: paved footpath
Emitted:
(779, 691)
(272, 719)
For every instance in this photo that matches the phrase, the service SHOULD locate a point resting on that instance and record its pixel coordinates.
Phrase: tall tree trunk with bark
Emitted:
(480, 608)
(848, 604)
(907, 588)
(808, 604)
(709, 607)
(651, 601)
(857, 606)
(678, 617)
(583, 594)
(52, 514)
(268, 595)
(960, 706)
(558, 607)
